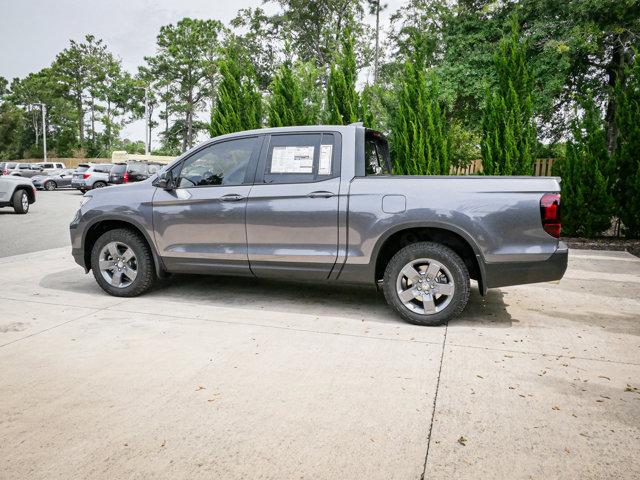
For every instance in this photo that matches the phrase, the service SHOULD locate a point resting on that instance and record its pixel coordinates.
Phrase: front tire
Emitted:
(20, 202)
(50, 185)
(122, 264)
(426, 283)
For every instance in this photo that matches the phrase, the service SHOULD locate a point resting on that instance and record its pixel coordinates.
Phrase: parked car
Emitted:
(132, 171)
(319, 203)
(17, 192)
(48, 166)
(20, 169)
(53, 179)
(90, 176)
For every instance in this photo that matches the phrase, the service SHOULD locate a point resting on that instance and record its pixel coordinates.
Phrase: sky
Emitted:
(33, 32)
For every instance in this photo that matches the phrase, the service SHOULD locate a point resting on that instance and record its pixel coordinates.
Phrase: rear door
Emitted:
(292, 212)
(200, 225)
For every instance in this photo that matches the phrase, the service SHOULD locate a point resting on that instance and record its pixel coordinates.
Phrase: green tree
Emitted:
(508, 129)
(286, 104)
(238, 104)
(342, 98)
(419, 136)
(626, 159)
(185, 66)
(586, 197)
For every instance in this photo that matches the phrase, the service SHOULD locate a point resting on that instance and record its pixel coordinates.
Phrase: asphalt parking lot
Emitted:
(206, 378)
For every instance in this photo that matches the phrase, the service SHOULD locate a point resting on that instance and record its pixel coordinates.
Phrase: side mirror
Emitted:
(164, 181)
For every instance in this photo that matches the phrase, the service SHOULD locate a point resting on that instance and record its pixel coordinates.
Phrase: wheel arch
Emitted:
(450, 236)
(30, 193)
(103, 225)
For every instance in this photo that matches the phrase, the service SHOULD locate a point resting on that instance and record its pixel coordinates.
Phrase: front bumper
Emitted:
(519, 273)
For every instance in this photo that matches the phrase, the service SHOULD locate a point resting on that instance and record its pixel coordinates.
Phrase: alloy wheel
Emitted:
(118, 264)
(425, 286)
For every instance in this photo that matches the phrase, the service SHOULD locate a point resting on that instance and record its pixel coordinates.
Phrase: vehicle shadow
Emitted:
(346, 301)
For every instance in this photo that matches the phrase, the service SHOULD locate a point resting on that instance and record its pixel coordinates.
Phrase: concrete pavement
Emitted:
(45, 226)
(200, 379)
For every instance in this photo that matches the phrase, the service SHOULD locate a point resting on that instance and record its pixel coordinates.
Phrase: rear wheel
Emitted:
(122, 264)
(426, 283)
(20, 201)
(99, 185)
(50, 185)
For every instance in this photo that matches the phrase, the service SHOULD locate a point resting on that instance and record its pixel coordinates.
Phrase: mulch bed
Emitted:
(605, 243)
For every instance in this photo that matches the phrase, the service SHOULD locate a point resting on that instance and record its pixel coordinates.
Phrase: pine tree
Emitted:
(626, 158)
(342, 98)
(586, 199)
(238, 104)
(286, 105)
(508, 129)
(419, 137)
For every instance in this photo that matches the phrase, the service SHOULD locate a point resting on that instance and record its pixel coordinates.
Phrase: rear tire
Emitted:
(50, 185)
(136, 258)
(433, 281)
(99, 185)
(20, 201)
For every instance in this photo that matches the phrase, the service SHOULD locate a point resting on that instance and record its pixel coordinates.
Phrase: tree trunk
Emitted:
(377, 53)
(615, 74)
(80, 118)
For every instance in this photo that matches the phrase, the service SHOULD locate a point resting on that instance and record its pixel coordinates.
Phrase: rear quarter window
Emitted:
(118, 169)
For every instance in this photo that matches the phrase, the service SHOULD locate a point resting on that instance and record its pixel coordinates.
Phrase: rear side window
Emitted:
(11, 165)
(301, 158)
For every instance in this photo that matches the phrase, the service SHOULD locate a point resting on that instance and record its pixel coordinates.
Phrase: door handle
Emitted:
(231, 197)
(320, 194)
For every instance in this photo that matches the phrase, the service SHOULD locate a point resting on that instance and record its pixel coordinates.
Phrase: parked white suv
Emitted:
(17, 192)
(46, 166)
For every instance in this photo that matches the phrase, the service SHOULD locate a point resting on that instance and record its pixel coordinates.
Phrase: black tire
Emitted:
(50, 185)
(146, 276)
(99, 185)
(17, 201)
(441, 254)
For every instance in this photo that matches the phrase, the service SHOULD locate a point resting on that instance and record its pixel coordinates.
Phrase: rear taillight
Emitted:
(125, 177)
(5, 172)
(86, 175)
(550, 214)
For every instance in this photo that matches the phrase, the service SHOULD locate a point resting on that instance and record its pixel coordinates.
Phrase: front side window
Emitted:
(300, 158)
(223, 163)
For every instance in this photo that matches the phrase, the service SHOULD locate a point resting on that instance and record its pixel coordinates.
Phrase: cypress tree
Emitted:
(508, 129)
(419, 137)
(342, 98)
(238, 104)
(586, 200)
(626, 158)
(286, 105)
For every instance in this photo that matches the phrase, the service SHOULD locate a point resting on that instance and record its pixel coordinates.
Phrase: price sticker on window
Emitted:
(324, 166)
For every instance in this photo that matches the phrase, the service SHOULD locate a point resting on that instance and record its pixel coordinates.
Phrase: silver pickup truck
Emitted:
(319, 203)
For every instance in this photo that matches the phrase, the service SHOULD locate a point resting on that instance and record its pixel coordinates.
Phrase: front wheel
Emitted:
(50, 185)
(122, 264)
(426, 283)
(20, 201)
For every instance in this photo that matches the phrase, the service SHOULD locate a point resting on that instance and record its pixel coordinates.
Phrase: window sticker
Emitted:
(324, 168)
(292, 159)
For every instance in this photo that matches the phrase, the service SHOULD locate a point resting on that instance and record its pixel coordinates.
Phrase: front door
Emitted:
(200, 225)
(292, 212)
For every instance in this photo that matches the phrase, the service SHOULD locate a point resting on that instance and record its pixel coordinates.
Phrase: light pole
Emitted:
(43, 108)
(147, 137)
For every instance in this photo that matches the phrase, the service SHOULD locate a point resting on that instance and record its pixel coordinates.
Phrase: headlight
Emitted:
(84, 200)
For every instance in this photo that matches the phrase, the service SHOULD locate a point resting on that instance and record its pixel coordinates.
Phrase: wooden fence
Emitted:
(541, 167)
